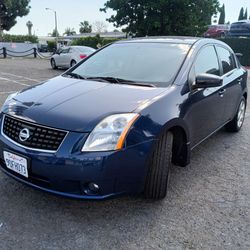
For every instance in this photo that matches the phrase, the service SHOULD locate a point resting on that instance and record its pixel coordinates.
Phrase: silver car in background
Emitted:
(67, 57)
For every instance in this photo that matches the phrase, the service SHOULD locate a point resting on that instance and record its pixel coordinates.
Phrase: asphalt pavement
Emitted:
(208, 204)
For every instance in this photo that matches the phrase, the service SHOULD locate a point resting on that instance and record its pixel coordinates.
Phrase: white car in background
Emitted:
(67, 57)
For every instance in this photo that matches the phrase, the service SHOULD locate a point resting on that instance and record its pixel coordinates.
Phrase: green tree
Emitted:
(85, 27)
(10, 10)
(241, 15)
(162, 17)
(69, 32)
(245, 15)
(222, 15)
(54, 33)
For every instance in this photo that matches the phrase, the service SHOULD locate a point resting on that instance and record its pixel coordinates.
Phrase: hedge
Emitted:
(240, 45)
(93, 42)
(18, 38)
(51, 46)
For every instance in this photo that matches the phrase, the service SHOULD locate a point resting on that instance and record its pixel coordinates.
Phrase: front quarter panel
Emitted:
(159, 116)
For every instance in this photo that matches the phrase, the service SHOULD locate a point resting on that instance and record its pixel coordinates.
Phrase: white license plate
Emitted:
(16, 163)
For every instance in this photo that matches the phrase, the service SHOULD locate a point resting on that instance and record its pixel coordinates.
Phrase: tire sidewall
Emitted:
(53, 63)
(73, 63)
(242, 100)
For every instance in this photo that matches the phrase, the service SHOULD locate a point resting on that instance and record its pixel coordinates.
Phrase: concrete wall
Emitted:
(18, 47)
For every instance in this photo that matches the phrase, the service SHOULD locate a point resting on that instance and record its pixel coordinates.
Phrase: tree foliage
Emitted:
(245, 15)
(162, 17)
(18, 38)
(94, 42)
(241, 15)
(99, 27)
(222, 15)
(85, 27)
(69, 32)
(54, 33)
(10, 10)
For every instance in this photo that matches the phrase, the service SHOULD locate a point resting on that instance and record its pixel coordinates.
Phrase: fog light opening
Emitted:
(91, 188)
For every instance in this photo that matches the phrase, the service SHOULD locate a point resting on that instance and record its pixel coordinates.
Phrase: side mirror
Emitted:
(207, 81)
(239, 55)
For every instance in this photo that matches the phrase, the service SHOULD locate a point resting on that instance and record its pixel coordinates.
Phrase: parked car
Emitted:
(215, 31)
(115, 123)
(69, 56)
(42, 48)
(240, 28)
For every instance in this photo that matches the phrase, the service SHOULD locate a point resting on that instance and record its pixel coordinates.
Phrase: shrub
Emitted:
(51, 46)
(93, 42)
(18, 38)
(240, 45)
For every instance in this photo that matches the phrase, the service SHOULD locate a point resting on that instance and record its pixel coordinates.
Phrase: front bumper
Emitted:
(68, 171)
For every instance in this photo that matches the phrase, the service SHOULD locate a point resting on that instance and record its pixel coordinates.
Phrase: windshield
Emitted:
(156, 63)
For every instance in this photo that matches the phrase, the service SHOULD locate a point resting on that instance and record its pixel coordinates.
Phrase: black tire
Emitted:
(72, 63)
(236, 124)
(159, 170)
(222, 35)
(53, 63)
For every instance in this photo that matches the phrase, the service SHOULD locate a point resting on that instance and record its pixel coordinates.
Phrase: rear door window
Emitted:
(207, 62)
(227, 59)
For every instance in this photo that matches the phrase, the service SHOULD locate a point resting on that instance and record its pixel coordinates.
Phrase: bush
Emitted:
(240, 45)
(51, 46)
(18, 38)
(93, 42)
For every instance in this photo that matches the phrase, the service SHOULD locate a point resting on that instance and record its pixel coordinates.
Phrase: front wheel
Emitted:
(236, 124)
(159, 170)
(53, 63)
(73, 63)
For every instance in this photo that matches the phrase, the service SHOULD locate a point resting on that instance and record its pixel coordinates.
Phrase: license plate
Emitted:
(16, 163)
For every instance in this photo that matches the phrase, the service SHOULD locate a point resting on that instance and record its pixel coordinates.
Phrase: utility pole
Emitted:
(56, 29)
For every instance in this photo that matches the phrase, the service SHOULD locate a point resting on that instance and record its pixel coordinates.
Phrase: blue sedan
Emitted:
(118, 121)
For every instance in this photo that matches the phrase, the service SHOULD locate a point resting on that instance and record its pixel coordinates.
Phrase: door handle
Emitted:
(222, 92)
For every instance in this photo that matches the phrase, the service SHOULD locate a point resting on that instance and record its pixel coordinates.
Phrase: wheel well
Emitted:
(181, 150)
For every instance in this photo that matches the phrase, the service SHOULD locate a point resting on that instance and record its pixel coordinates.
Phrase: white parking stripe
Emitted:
(8, 92)
(13, 81)
(22, 77)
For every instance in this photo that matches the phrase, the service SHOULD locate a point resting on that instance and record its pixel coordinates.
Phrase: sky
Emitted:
(71, 13)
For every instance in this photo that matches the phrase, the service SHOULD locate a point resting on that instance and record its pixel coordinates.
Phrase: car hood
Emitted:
(77, 105)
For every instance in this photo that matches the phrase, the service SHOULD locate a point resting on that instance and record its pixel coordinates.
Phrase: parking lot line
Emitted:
(13, 81)
(22, 77)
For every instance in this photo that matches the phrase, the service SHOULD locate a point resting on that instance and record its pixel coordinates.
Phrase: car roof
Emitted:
(173, 39)
(242, 21)
(167, 39)
(76, 47)
(81, 47)
(197, 41)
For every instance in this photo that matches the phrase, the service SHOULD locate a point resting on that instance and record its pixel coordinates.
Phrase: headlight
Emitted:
(11, 96)
(110, 133)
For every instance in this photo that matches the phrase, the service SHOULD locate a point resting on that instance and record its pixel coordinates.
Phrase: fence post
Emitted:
(4, 52)
(35, 52)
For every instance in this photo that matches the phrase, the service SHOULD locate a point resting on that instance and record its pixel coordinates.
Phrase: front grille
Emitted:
(41, 138)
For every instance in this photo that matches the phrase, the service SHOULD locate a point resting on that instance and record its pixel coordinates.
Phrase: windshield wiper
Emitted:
(119, 81)
(74, 75)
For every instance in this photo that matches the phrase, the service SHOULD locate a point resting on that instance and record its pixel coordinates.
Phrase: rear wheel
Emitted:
(159, 170)
(73, 63)
(222, 35)
(236, 124)
(53, 63)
